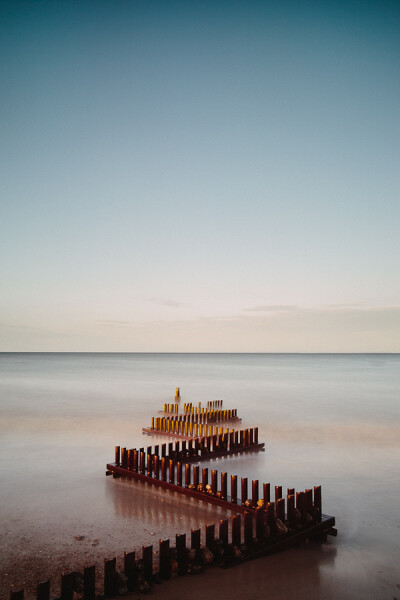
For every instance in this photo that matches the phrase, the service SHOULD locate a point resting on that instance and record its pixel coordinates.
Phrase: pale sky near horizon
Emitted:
(200, 176)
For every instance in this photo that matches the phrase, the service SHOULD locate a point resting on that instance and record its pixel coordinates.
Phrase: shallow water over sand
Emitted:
(326, 419)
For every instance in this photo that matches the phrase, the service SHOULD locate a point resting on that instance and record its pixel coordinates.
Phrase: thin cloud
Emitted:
(166, 302)
(272, 308)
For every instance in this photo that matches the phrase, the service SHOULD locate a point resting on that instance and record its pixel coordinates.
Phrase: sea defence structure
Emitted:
(264, 520)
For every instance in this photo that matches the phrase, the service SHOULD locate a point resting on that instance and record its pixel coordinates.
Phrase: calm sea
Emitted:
(332, 420)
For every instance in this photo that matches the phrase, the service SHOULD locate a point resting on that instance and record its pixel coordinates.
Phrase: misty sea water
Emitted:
(326, 419)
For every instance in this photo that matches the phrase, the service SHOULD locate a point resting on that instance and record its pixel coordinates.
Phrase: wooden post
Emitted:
(147, 554)
(214, 481)
(149, 465)
(163, 469)
(142, 462)
(195, 539)
(223, 531)
(254, 492)
(181, 551)
(278, 492)
(179, 474)
(300, 504)
(317, 503)
(266, 493)
(89, 583)
(164, 560)
(43, 590)
(290, 509)
(130, 570)
(18, 595)
(67, 586)
(236, 531)
(171, 471)
(308, 502)
(130, 459)
(260, 527)
(248, 528)
(187, 475)
(117, 456)
(163, 450)
(156, 466)
(256, 435)
(196, 476)
(224, 486)
(241, 437)
(243, 490)
(290, 491)
(234, 489)
(205, 477)
(280, 509)
(271, 517)
(124, 458)
(135, 461)
(251, 436)
(110, 577)
(210, 536)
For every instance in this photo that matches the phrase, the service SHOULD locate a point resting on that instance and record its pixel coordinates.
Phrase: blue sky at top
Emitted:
(199, 176)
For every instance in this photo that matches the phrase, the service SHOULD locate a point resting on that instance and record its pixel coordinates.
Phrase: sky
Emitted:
(181, 176)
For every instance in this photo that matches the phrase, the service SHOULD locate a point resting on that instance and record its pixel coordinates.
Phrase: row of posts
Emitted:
(131, 564)
(222, 442)
(194, 425)
(167, 470)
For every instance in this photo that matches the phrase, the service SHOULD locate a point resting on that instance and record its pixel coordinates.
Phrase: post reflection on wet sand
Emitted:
(163, 512)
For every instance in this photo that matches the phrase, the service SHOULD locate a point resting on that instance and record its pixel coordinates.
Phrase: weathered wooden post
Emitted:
(117, 456)
(17, 595)
(164, 560)
(254, 492)
(181, 551)
(243, 490)
(266, 493)
(130, 570)
(147, 555)
(43, 590)
(223, 531)
(260, 527)
(179, 474)
(110, 577)
(317, 503)
(187, 475)
(67, 586)
(224, 486)
(214, 481)
(234, 489)
(210, 536)
(89, 583)
(236, 531)
(248, 528)
(195, 539)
